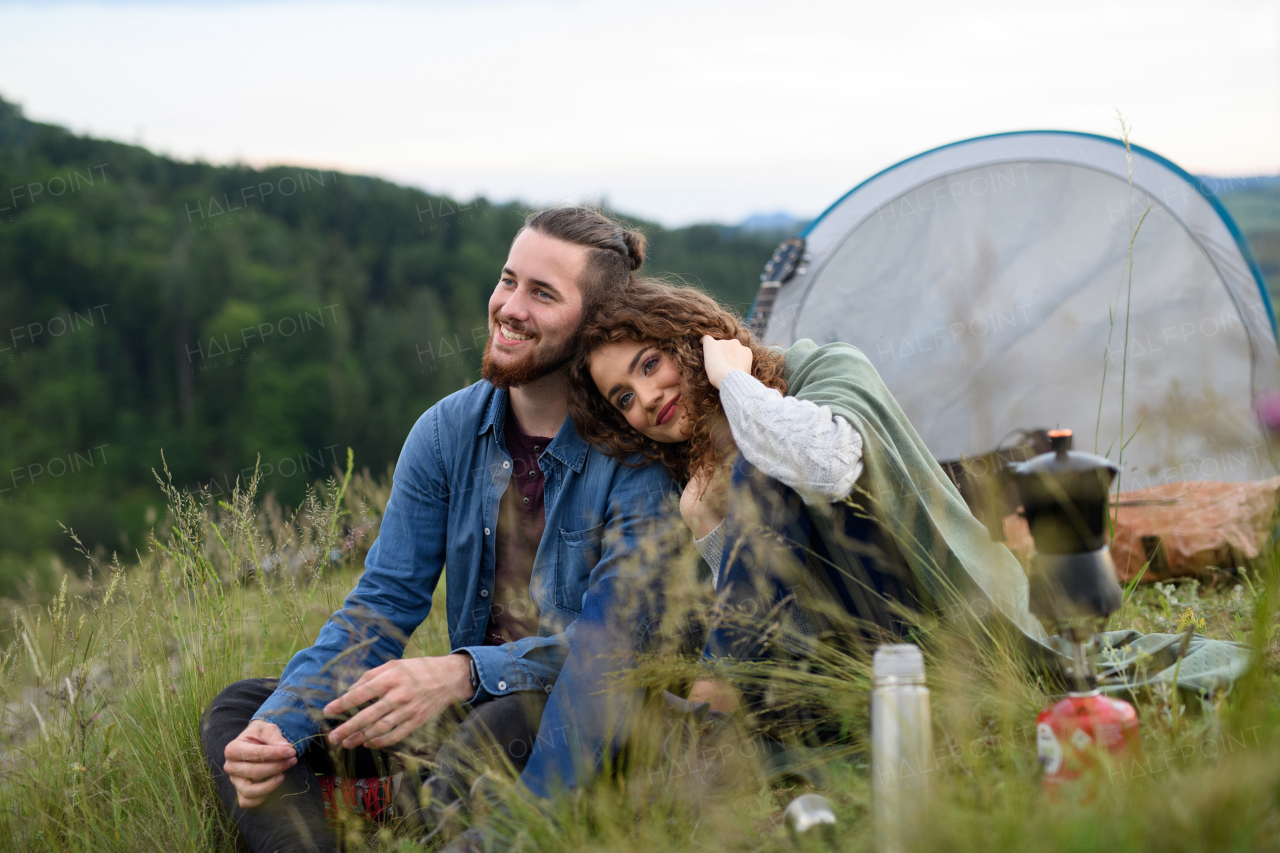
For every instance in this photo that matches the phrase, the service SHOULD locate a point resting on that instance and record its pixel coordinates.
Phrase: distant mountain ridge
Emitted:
(776, 221)
(1226, 184)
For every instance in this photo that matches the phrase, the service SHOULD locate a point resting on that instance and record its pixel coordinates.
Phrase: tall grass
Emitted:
(104, 685)
(1211, 784)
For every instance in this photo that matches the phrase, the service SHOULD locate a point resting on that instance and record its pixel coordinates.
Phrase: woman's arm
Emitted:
(794, 441)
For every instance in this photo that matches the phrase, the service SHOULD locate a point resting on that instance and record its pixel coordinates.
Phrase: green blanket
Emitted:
(949, 551)
(1131, 663)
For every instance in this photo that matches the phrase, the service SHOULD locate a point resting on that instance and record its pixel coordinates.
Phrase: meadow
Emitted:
(103, 687)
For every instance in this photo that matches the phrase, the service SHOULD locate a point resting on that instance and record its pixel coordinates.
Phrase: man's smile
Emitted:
(509, 334)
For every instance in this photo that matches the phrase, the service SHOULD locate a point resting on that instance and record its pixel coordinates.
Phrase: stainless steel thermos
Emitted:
(901, 740)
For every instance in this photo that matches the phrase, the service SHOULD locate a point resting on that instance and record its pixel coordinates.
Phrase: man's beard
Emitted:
(531, 368)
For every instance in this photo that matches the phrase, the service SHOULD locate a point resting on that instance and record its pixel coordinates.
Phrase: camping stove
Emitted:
(1072, 588)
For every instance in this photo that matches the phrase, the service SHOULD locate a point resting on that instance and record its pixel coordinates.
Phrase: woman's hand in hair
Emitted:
(720, 357)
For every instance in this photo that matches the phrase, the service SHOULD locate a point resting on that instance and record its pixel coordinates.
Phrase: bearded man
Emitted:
(535, 527)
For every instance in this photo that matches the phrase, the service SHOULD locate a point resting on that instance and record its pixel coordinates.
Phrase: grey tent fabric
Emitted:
(988, 282)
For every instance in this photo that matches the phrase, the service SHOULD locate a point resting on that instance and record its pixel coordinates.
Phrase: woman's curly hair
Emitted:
(674, 319)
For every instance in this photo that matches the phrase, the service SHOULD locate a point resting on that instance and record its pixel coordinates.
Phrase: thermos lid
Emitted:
(898, 664)
(807, 812)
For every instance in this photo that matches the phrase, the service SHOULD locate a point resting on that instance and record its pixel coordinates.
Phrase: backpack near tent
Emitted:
(990, 283)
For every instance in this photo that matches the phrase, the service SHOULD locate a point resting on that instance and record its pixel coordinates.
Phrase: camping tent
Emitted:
(989, 283)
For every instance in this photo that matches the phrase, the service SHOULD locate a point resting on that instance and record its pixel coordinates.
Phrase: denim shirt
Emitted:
(451, 475)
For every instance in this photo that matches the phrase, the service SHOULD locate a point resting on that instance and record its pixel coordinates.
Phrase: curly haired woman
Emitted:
(812, 498)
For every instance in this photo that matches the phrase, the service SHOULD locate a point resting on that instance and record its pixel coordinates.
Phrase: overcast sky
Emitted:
(678, 111)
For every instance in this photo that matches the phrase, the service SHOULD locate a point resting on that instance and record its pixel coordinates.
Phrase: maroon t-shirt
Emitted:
(521, 520)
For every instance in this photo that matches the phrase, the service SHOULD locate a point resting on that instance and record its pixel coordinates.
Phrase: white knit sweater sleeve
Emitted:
(796, 442)
(711, 547)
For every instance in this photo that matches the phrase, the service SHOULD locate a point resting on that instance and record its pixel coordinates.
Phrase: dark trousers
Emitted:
(773, 539)
(774, 543)
(293, 817)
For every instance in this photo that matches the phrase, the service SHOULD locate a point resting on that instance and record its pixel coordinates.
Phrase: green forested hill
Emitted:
(224, 314)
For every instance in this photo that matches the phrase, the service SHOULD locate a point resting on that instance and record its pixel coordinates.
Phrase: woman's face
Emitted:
(643, 383)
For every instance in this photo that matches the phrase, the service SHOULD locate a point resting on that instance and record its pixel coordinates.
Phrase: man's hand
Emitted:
(720, 357)
(409, 693)
(723, 697)
(256, 761)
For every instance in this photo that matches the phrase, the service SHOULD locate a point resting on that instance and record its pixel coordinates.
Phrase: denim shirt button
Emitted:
(547, 688)
(484, 593)
(506, 464)
(486, 531)
(502, 685)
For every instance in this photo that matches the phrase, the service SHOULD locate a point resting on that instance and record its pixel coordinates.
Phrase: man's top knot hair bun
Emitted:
(614, 251)
(635, 245)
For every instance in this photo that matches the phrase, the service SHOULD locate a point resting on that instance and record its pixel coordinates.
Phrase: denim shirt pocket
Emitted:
(576, 555)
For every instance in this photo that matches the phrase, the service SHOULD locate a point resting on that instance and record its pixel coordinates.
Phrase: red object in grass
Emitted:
(1082, 731)
(369, 798)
